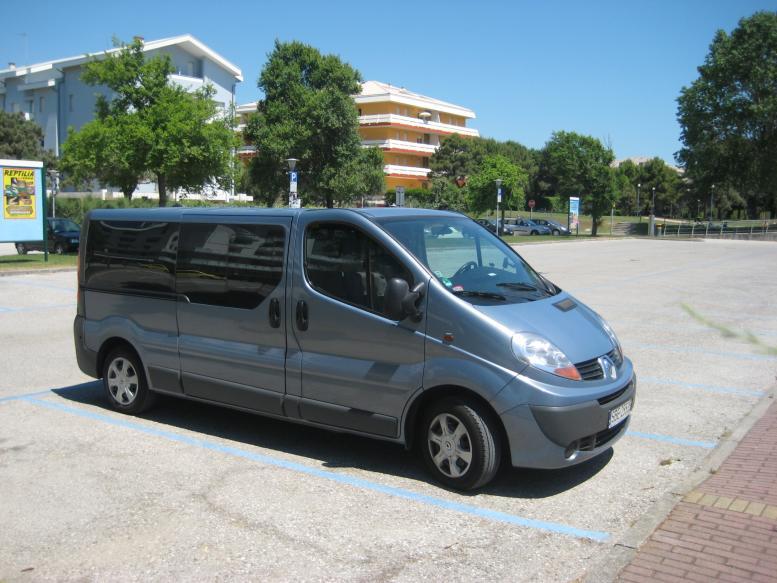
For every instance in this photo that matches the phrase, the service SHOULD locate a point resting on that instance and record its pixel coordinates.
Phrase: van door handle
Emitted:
(302, 315)
(275, 313)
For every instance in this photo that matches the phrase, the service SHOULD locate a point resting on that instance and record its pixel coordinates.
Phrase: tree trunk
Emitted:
(127, 190)
(594, 225)
(161, 183)
(329, 201)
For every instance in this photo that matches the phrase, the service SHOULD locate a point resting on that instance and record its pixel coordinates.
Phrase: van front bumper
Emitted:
(556, 437)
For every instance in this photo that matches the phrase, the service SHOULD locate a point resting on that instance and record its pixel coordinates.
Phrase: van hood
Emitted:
(577, 331)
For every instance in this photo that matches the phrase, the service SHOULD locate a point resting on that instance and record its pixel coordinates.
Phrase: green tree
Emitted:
(457, 157)
(149, 126)
(308, 113)
(482, 186)
(578, 165)
(21, 139)
(728, 115)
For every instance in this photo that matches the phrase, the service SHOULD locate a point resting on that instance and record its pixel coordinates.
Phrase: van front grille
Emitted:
(591, 370)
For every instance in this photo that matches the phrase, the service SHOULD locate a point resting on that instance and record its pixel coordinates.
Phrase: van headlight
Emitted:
(611, 333)
(541, 353)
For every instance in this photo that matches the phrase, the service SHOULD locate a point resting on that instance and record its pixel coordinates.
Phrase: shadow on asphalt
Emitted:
(333, 450)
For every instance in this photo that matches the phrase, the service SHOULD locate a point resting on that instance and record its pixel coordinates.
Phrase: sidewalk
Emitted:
(725, 529)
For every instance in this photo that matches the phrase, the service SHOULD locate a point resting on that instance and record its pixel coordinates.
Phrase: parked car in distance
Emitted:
(505, 229)
(526, 227)
(355, 320)
(63, 237)
(555, 227)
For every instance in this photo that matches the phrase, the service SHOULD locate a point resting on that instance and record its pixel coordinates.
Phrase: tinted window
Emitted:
(344, 263)
(236, 266)
(131, 256)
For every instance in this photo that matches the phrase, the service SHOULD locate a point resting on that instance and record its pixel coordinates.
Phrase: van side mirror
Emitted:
(400, 301)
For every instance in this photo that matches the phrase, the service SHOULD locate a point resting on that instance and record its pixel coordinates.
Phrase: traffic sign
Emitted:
(400, 196)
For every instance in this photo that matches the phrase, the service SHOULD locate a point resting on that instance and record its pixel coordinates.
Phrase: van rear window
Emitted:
(131, 257)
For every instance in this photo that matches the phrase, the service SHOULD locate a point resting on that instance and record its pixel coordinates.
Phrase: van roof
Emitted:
(175, 213)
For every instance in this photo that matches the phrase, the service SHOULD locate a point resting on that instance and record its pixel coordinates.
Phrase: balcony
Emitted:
(402, 146)
(188, 83)
(410, 171)
(394, 120)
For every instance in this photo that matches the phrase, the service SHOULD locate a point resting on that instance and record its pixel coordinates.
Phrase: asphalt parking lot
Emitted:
(195, 492)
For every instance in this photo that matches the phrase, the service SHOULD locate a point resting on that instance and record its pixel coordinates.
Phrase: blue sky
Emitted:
(611, 69)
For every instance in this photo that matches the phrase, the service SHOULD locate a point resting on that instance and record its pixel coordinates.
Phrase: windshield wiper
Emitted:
(517, 285)
(480, 294)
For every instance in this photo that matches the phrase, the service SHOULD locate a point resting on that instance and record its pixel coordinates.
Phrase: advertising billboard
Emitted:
(23, 193)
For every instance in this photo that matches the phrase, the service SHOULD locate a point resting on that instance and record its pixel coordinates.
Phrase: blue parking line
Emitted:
(703, 387)
(675, 440)
(25, 396)
(40, 285)
(328, 475)
(696, 350)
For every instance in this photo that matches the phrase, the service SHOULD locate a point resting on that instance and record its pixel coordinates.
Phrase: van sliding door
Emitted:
(230, 281)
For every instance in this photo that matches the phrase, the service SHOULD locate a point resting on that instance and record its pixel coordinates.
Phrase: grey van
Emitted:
(414, 326)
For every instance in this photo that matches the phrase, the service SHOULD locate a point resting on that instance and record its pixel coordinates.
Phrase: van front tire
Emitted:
(460, 444)
(125, 382)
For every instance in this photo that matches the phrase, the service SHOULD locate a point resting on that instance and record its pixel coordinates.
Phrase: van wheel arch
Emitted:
(434, 394)
(109, 346)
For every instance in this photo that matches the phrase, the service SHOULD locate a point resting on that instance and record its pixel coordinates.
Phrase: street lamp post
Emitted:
(712, 192)
(698, 208)
(293, 197)
(498, 200)
(652, 226)
(639, 210)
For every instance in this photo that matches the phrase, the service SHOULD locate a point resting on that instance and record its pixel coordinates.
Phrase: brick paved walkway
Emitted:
(726, 529)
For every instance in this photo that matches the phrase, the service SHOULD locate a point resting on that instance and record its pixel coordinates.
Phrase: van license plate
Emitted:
(619, 413)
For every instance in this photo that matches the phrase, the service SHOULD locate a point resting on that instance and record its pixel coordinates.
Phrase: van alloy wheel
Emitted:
(122, 381)
(461, 442)
(450, 445)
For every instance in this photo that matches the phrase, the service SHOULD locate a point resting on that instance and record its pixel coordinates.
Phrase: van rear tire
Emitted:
(460, 443)
(125, 382)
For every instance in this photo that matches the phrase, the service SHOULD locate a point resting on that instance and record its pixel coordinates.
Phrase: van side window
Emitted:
(131, 256)
(344, 263)
(235, 266)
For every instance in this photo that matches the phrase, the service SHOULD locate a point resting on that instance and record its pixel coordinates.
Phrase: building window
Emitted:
(15, 107)
(70, 103)
(41, 103)
(30, 106)
(360, 111)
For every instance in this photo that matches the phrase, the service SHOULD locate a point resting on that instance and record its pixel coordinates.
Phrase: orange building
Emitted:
(408, 127)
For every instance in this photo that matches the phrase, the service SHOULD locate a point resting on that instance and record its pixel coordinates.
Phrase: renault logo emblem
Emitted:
(608, 368)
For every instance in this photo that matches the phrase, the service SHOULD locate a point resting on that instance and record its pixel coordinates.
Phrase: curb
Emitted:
(623, 550)
(10, 272)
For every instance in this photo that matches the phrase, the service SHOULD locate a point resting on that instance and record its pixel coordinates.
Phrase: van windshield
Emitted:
(469, 260)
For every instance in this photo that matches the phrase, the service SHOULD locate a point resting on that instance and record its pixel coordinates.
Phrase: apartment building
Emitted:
(53, 95)
(407, 126)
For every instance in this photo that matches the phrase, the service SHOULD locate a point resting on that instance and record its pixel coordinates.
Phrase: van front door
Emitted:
(230, 281)
(357, 368)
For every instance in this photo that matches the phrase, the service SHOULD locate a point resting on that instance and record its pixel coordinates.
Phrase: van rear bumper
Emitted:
(87, 359)
(557, 437)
